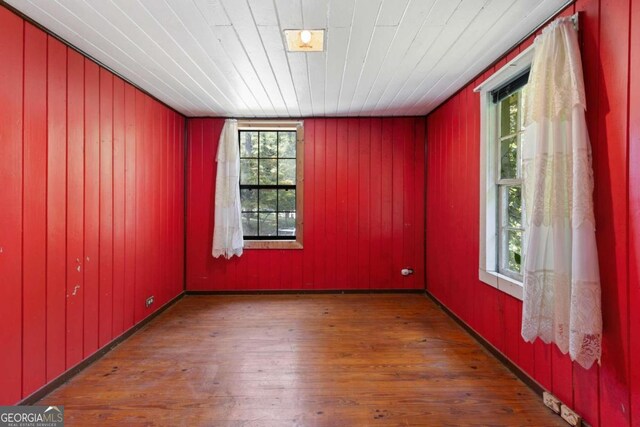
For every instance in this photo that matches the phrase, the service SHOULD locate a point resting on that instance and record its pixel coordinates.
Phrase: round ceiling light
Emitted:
(305, 36)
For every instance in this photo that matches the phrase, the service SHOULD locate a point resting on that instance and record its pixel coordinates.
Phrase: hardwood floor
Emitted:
(307, 360)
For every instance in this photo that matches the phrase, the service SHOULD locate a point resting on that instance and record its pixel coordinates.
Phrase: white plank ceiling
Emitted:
(227, 57)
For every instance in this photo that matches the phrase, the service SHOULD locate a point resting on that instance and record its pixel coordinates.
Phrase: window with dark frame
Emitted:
(509, 101)
(268, 179)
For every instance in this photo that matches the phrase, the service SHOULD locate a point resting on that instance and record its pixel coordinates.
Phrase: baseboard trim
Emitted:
(307, 292)
(502, 358)
(72, 372)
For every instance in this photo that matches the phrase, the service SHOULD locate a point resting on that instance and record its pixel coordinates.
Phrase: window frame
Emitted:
(489, 215)
(282, 125)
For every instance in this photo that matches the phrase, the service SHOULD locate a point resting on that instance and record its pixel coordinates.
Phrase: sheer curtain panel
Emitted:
(561, 299)
(227, 231)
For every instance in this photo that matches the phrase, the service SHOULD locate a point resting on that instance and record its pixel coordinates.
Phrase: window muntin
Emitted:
(509, 134)
(268, 178)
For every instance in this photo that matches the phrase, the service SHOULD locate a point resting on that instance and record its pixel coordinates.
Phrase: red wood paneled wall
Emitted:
(363, 211)
(608, 395)
(91, 207)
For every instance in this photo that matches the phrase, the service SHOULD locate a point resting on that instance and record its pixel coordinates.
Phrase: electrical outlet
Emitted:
(149, 302)
(551, 402)
(569, 416)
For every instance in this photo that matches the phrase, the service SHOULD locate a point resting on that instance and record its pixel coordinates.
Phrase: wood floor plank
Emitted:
(300, 360)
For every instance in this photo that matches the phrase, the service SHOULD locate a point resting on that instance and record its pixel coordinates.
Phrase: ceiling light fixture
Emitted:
(304, 40)
(305, 36)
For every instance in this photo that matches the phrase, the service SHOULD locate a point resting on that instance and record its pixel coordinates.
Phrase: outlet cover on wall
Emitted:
(149, 302)
(551, 402)
(569, 416)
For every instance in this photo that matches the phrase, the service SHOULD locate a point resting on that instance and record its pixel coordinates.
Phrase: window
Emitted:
(508, 101)
(502, 220)
(270, 194)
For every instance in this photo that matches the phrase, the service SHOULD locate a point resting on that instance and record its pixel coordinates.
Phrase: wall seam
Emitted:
(66, 202)
(627, 214)
(185, 190)
(22, 314)
(46, 213)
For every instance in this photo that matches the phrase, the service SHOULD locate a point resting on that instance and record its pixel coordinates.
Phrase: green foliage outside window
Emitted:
(268, 183)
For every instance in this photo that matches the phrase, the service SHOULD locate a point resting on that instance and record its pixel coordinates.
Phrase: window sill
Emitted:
(272, 244)
(501, 282)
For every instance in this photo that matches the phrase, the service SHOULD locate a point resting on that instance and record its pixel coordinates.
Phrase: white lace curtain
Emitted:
(227, 231)
(561, 301)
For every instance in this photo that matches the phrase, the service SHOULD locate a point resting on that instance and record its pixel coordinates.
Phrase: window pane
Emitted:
(268, 144)
(248, 171)
(268, 172)
(287, 171)
(513, 206)
(514, 241)
(268, 201)
(267, 224)
(509, 115)
(250, 224)
(286, 200)
(509, 157)
(286, 224)
(248, 144)
(249, 200)
(287, 144)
